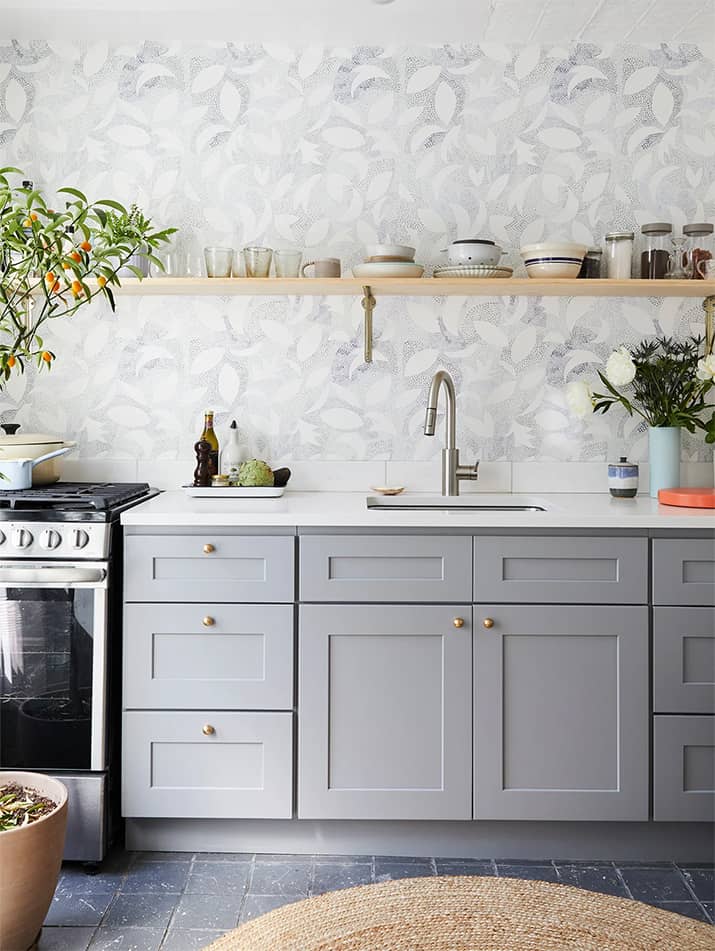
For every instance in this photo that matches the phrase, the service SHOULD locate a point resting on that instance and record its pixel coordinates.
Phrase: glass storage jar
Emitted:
(699, 247)
(619, 254)
(655, 253)
(591, 267)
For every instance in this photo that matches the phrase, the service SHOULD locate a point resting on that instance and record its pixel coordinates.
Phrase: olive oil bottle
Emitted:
(210, 436)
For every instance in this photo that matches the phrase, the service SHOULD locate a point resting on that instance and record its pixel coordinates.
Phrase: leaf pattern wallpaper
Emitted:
(327, 149)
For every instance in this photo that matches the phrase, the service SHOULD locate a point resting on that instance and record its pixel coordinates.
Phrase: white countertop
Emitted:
(349, 510)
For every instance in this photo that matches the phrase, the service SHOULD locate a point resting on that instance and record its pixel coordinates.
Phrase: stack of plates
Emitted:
(473, 270)
(388, 260)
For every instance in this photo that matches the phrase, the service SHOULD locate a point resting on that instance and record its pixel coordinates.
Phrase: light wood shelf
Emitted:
(411, 287)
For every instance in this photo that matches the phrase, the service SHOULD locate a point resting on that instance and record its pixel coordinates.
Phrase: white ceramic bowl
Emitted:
(378, 253)
(553, 259)
(388, 269)
(473, 251)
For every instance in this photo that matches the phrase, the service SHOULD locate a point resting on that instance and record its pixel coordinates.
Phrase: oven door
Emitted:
(53, 665)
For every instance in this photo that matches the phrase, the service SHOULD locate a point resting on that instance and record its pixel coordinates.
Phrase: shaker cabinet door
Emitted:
(560, 712)
(384, 712)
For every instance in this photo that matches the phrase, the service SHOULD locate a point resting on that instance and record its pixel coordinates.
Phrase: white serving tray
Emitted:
(233, 491)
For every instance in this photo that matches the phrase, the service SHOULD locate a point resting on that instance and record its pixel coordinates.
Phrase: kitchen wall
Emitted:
(327, 149)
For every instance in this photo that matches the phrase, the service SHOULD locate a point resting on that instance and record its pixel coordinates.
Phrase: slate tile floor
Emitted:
(144, 901)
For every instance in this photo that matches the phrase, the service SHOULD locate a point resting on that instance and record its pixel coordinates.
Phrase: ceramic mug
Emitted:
(324, 267)
(706, 269)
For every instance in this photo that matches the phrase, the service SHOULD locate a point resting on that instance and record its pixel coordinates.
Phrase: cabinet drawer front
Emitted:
(684, 768)
(241, 770)
(547, 570)
(354, 568)
(208, 656)
(561, 712)
(209, 567)
(683, 660)
(684, 571)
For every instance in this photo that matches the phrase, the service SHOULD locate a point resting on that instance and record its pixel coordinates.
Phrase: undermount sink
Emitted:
(460, 503)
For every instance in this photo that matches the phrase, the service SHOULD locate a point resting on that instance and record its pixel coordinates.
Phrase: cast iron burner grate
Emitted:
(75, 496)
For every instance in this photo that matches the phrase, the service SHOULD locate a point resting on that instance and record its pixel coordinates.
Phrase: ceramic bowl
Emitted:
(388, 269)
(553, 259)
(376, 253)
(473, 251)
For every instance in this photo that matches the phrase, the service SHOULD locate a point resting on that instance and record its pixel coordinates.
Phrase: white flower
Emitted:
(706, 368)
(579, 398)
(620, 368)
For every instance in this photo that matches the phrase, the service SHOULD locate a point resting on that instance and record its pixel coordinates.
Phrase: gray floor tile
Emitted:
(223, 856)
(82, 910)
(464, 867)
(690, 909)
(402, 859)
(145, 878)
(207, 912)
(343, 859)
(709, 909)
(656, 884)
(64, 939)
(278, 857)
(218, 878)
(596, 878)
(75, 881)
(702, 882)
(280, 878)
(536, 873)
(388, 871)
(163, 856)
(127, 939)
(140, 911)
(256, 905)
(178, 940)
(330, 877)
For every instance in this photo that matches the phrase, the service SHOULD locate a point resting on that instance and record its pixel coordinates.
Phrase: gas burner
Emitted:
(66, 497)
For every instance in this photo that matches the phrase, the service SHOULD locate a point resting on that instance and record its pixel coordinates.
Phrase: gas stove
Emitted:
(68, 520)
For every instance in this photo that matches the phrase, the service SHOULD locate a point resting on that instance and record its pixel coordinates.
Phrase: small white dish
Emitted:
(392, 252)
(473, 251)
(473, 271)
(553, 259)
(387, 490)
(388, 269)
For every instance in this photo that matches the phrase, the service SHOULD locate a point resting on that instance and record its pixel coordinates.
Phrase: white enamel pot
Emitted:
(16, 474)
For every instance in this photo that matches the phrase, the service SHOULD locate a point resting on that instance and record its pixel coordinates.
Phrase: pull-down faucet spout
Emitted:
(452, 472)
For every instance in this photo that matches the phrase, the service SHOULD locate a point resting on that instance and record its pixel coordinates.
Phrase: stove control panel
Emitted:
(54, 540)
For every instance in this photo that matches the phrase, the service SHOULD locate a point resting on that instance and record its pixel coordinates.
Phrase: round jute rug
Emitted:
(468, 914)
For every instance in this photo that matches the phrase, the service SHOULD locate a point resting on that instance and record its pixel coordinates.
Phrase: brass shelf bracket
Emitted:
(368, 305)
(709, 308)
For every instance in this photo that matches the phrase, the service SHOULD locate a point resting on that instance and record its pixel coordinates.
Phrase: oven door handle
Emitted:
(51, 575)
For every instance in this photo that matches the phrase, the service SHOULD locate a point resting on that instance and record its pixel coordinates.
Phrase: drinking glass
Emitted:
(218, 261)
(288, 263)
(174, 261)
(258, 261)
(194, 262)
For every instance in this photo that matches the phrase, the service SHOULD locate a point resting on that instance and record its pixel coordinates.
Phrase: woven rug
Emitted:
(468, 914)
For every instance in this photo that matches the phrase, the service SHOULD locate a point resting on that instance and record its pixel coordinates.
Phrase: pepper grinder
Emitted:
(202, 472)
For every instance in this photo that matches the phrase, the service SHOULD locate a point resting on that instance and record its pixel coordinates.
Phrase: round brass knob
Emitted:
(458, 622)
(488, 622)
(208, 621)
(208, 548)
(208, 730)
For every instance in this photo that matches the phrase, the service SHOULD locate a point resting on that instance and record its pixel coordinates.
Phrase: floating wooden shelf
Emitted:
(411, 287)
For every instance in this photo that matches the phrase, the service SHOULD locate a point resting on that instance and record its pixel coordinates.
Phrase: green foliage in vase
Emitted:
(54, 262)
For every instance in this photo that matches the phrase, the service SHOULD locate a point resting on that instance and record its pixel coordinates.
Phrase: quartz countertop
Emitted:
(327, 510)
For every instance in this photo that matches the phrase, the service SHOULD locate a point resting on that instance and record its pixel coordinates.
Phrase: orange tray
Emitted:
(688, 498)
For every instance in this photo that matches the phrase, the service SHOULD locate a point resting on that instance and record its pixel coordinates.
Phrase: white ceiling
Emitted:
(351, 22)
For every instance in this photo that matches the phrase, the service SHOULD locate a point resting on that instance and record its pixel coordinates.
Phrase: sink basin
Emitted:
(460, 503)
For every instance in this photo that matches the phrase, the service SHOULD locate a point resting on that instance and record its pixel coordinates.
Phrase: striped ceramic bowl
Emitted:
(553, 259)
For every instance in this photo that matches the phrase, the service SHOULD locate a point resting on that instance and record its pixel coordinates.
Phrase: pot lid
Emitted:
(12, 438)
(474, 241)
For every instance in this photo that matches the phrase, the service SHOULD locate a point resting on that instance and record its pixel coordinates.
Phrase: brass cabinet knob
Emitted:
(208, 730)
(208, 548)
(208, 621)
(488, 622)
(458, 622)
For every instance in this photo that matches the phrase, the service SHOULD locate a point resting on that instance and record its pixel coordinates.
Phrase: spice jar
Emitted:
(619, 254)
(655, 255)
(699, 247)
(591, 266)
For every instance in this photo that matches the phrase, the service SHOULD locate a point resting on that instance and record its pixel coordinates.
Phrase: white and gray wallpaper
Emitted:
(330, 148)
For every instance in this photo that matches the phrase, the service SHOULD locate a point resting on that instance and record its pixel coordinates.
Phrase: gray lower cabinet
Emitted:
(684, 571)
(207, 764)
(384, 704)
(683, 660)
(208, 656)
(684, 768)
(561, 712)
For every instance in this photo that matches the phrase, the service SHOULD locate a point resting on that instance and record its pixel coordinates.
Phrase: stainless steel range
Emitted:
(60, 645)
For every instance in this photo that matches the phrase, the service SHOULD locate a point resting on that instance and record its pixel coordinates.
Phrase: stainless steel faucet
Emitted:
(452, 472)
